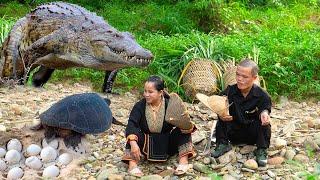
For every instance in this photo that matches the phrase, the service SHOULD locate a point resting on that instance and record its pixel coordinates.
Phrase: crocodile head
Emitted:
(117, 49)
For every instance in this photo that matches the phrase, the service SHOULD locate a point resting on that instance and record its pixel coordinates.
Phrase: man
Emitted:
(249, 120)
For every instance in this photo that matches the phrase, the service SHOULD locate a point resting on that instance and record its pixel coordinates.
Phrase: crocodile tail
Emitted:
(11, 64)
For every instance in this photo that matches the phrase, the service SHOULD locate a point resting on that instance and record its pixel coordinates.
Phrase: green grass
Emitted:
(287, 34)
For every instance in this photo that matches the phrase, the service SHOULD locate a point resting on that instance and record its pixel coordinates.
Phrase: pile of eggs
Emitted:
(14, 159)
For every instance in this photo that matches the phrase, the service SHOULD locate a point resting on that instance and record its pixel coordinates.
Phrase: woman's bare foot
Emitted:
(183, 165)
(134, 169)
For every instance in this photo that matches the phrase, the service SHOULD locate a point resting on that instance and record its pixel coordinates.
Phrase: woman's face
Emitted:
(151, 94)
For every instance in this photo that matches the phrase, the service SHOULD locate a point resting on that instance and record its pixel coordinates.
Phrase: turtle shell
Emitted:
(85, 113)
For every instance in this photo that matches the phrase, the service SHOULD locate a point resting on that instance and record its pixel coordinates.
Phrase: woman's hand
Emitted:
(135, 150)
(226, 118)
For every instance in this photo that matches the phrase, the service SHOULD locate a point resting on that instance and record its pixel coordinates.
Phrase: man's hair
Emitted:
(251, 64)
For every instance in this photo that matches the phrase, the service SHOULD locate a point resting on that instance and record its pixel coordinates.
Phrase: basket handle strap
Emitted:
(184, 71)
(263, 82)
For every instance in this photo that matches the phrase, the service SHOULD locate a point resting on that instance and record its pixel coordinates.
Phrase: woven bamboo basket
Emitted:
(200, 76)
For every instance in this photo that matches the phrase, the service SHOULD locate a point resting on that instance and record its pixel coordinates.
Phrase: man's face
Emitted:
(244, 78)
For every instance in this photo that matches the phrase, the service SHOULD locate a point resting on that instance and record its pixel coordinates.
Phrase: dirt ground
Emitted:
(294, 150)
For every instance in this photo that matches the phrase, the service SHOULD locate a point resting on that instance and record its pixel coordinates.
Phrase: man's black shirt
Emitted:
(245, 110)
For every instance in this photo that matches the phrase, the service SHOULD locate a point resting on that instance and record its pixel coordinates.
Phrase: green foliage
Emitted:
(286, 32)
(136, 17)
(13, 9)
(5, 27)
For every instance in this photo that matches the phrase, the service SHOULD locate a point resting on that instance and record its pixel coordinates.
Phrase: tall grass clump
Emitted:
(5, 27)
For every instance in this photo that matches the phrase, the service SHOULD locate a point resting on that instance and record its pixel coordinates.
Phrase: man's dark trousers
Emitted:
(237, 133)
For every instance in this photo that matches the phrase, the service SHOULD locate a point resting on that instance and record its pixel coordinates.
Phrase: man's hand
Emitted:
(265, 118)
(135, 150)
(226, 118)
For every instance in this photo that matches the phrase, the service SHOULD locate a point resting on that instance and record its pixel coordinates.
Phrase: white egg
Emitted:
(48, 154)
(15, 173)
(2, 152)
(65, 159)
(14, 144)
(13, 156)
(54, 143)
(51, 171)
(3, 165)
(33, 162)
(33, 150)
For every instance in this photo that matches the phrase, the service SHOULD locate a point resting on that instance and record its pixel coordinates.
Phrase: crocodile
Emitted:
(60, 35)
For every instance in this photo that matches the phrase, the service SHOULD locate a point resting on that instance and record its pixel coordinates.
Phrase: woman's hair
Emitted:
(158, 82)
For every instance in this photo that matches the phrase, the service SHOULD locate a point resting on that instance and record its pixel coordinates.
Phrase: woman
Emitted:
(149, 134)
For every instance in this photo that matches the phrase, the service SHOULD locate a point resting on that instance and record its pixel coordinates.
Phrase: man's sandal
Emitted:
(182, 169)
(136, 172)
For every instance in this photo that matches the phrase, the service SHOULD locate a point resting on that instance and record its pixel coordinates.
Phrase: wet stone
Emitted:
(251, 164)
(152, 177)
(271, 174)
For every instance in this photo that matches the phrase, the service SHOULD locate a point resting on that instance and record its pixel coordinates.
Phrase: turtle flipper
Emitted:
(73, 140)
(49, 133)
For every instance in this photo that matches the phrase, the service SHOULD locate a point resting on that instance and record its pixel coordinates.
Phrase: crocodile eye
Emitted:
(117, 35)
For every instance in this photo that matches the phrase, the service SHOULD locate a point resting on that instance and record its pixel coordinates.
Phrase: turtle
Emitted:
(74, 116)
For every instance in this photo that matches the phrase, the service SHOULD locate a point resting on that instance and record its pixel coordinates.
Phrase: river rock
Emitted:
(227, 157)
(251, 164)
(206, 161)
(200, 167)
(280, 143)
(247, 149)
(271, 174)
(152, 177)
(290, 154)
(228, 177)
(105, 172)
(309, 143)
(198, 136)
(310, 121)
(301, 158)
(317, 123)
(167, 172)
(316, 139)
(115, 177)
(276, 160)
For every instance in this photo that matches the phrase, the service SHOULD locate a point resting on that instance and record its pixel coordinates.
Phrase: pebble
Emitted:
(280, 143)
(200, 167)
(213, 161)
(206, 160)
(228, 177)
(227, 157)
(96, 155)
(151, 177)
(289, 155)
(301, 158)
(88, 166)
(271, 174)
(310, 144)
(247, 149)
(265, 177)
(3, 128)
(251, 164)
(276, 160)
(247, 170)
